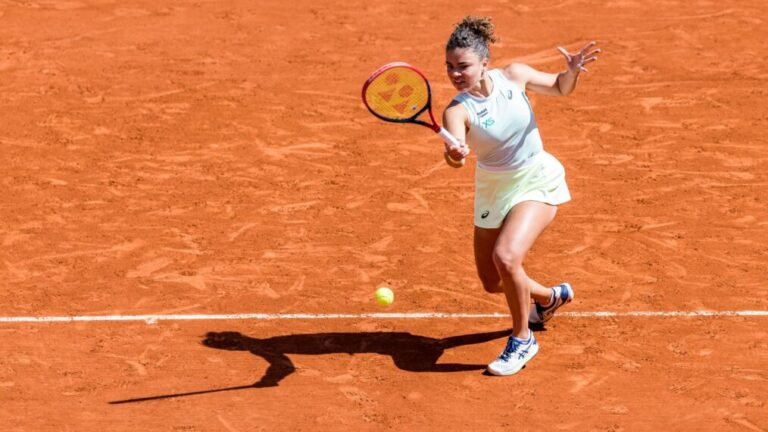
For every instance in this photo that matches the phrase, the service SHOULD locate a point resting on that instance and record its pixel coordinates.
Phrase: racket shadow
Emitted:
(412, 353)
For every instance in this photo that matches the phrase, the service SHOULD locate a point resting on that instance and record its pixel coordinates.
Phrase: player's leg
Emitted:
(522, 226)
(485, 243)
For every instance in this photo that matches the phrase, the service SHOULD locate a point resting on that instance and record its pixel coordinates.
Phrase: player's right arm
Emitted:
(455, 121)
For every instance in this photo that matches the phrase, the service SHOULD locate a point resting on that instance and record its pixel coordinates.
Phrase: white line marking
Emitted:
(151, 319)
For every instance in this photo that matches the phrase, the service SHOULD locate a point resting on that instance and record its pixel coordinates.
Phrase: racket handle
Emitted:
(448, 138)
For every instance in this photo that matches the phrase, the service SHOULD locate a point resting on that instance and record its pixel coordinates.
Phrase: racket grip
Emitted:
(448, 138)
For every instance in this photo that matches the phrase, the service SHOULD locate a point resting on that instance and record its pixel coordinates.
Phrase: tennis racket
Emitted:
(398, 92)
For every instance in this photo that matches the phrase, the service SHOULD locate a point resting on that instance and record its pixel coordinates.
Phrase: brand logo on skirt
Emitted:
(485, 214)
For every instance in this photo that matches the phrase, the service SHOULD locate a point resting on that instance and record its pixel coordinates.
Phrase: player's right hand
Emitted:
(452, 163)
(457, 153)
(455, 156)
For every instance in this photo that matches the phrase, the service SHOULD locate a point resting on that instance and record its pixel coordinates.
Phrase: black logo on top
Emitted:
(509, 94)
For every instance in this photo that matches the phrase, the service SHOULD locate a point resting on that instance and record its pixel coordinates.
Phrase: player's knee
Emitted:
(508, 260)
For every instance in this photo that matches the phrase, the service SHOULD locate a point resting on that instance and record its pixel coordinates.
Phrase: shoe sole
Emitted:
(494, 372)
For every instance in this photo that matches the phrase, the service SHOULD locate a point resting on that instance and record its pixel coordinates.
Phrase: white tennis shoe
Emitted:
(561, 295)
(515, 355)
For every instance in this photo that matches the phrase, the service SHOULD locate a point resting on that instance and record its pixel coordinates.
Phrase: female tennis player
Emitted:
(518, 185)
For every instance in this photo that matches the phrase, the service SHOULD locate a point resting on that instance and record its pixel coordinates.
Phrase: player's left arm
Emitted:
(554, 84)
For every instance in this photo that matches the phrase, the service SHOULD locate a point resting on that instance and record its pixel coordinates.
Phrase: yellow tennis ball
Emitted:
(384, 296)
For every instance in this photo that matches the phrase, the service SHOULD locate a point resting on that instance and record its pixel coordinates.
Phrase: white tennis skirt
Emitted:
(496, 192)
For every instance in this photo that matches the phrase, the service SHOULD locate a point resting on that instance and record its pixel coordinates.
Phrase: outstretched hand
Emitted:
(577, 60)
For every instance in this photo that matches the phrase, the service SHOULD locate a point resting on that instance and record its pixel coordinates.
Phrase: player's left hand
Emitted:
(577, 60)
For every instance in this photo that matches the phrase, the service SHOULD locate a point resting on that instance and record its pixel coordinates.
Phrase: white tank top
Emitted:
(502, 129)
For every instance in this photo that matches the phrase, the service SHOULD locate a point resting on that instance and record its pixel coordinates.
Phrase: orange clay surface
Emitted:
(215, 157)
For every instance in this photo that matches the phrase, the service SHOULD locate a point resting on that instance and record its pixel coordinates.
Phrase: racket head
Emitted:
(398, 92)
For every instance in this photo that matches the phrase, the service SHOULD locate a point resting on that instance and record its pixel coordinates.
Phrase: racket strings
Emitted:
(397, 94)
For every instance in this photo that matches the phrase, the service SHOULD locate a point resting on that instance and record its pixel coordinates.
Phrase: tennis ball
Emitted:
(384, 296)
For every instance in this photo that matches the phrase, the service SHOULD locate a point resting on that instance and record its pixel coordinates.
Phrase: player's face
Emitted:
(465, 68)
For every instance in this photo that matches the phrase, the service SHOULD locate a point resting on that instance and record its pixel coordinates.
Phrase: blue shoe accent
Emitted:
(513, 345)
(561, 294)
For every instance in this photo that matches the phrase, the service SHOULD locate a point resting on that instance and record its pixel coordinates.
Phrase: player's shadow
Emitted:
(409, 352)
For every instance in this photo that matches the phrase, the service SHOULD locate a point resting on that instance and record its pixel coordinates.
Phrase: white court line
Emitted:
(414, 315)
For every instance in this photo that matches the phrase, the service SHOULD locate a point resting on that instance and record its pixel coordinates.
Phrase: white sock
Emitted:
(525, 341)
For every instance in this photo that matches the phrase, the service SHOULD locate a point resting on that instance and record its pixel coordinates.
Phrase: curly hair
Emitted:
(475, 33)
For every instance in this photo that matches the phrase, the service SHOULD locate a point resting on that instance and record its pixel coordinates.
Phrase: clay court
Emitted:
(205, 159)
